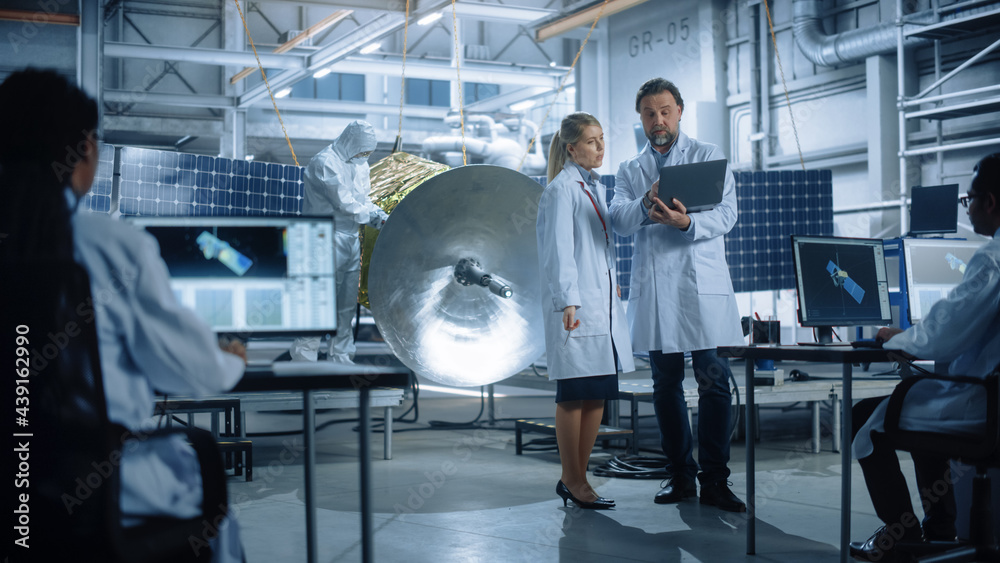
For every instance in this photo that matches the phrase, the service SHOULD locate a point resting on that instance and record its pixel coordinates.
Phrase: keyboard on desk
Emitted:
(866, 344)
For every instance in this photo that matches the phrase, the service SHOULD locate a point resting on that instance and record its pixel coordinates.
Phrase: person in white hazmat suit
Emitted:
(337, 183)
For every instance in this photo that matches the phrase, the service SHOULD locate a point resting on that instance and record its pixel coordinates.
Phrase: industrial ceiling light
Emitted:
(370, 48)
(582, 18)
(429, 18)
(283, 93)
(522, 105)
(322, 73)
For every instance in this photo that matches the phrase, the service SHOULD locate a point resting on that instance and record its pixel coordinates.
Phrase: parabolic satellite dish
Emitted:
(453, 281)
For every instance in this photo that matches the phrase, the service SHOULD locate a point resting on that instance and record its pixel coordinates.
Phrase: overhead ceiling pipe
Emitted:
(849, 46)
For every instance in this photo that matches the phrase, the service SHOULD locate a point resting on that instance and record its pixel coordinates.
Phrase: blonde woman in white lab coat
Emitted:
(585, 324)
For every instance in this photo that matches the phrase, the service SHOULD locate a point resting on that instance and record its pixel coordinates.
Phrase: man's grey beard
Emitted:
(661, 138)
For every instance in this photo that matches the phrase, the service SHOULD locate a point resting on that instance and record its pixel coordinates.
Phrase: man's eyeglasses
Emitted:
(965, 199)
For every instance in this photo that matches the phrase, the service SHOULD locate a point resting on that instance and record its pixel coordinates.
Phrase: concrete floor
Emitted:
(463, 495)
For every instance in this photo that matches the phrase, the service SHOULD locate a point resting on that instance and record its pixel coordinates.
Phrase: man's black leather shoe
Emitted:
(718, 494)
(677, 489)
(881, 546)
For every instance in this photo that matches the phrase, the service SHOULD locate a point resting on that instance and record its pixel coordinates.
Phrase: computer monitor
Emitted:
(933, 268)
(934, 209)
(840, 282)
(251, 276)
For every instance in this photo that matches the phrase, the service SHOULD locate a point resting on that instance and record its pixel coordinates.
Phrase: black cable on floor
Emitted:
(547, 444)
(446, 425)
(634, 467)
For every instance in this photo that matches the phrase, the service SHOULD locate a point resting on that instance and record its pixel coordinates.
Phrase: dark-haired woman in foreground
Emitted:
(147, 341)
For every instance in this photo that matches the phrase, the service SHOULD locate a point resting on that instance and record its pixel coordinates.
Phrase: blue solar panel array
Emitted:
(773, 205)
(623, 245)
(164, 183)
(99, 197)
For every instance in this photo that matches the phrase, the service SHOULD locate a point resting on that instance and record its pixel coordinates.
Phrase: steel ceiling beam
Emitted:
(415, 68)
(501, 13)
(306, 34)
(380, 5)
(582, 18)
(351, 42)
(285, 104)
(336, 106)
(166, 99)
(471, 72)
(204, 56)
(478, 10)
(497, 103)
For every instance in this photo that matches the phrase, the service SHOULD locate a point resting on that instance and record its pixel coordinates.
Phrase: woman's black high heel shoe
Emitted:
(600, 504)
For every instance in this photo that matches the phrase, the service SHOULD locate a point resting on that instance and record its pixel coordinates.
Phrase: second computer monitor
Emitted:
(252, 276)
(934, 209)
(933, 268)
(841, 281)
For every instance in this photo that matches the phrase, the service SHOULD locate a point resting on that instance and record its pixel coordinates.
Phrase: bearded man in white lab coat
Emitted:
(962, 331)
(681, 297)
(337, 182)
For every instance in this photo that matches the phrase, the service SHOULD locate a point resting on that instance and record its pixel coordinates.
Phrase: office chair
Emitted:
(981, 451)
(49, 332)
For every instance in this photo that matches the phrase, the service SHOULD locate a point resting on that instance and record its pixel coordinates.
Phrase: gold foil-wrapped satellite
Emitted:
(392, 178)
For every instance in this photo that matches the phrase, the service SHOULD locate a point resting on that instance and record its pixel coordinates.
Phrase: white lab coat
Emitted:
(337, 184)
(577, 264)
(680, 295)
(962, 330)
(148, 341)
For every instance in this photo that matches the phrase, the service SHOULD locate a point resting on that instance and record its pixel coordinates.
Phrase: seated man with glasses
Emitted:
(962, 330)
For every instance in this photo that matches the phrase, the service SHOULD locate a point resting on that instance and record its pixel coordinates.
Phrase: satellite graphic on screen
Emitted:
(841, 279)
(212, 247)
(955, 262)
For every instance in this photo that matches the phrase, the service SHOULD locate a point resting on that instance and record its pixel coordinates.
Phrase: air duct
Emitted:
(849, 46)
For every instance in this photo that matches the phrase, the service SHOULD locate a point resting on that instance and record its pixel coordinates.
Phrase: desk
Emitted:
(312, 376)
(826, 354)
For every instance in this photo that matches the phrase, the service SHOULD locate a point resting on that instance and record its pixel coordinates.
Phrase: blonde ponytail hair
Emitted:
(570, 131)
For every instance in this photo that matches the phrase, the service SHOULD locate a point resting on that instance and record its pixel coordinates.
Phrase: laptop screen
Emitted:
(251, 276)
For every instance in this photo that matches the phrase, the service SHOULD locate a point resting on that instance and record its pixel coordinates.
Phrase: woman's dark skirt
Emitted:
(587, 388)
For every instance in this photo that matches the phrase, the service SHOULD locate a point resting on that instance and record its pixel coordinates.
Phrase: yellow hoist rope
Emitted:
(402, 74)
(458, 72)
(266, 84)
(561, 84)
(781, 70)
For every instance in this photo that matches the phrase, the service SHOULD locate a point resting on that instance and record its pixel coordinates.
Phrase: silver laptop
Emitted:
(698, 185)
